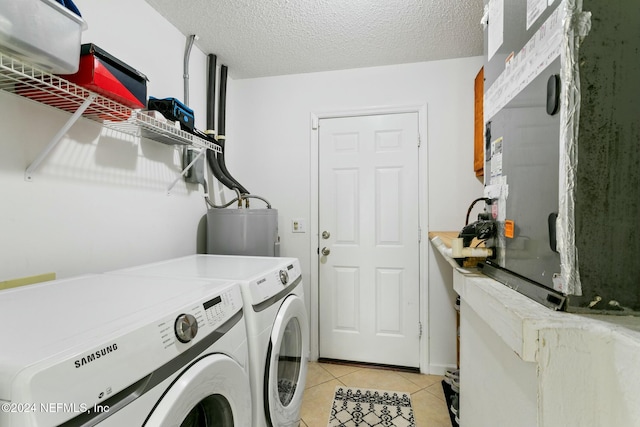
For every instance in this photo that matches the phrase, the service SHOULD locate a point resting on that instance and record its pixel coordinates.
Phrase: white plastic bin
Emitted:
(43, 33)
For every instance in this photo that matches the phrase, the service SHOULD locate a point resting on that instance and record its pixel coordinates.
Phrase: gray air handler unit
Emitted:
(562, 133)
(252, 232)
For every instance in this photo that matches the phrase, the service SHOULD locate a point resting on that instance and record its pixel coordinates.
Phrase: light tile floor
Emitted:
(427, 398)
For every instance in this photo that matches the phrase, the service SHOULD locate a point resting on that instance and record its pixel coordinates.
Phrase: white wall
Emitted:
(268, 151)
(99, 201)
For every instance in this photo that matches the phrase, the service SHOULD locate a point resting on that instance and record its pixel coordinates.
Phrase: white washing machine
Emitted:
(124, 351)
(277, 325)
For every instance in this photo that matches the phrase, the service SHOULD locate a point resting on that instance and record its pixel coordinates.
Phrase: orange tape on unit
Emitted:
(509, 228)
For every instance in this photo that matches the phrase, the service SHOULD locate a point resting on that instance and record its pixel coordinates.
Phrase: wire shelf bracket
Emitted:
(184, 171)
(57, 137)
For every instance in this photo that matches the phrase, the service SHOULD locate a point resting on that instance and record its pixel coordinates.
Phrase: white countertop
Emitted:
(518, 319)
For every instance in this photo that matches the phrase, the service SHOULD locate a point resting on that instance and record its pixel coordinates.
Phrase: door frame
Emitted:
(423, 218)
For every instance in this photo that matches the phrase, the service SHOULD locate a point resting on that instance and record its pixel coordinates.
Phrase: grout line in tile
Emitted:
(344, 375)
(355, 368)
(327, 381)
(436, 394)
(416, 384)
(319, 365)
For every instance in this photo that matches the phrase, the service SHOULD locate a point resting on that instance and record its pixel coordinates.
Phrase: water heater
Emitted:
(251, 232)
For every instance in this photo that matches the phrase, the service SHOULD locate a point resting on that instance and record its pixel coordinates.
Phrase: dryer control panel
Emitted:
(274, 281)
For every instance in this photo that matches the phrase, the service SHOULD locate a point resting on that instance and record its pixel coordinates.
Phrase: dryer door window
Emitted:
(289, 361)
(214, 391)
(286, 367)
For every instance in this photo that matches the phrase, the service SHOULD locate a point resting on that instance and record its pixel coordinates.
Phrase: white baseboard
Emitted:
(439, 369)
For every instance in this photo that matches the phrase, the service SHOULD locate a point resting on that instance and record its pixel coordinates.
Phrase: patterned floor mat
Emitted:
(357, 407)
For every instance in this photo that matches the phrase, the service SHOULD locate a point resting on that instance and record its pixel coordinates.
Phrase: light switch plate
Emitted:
(298, 225)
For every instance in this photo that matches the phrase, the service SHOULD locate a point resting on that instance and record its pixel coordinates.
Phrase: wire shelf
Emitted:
(30, 82)
(141, 124)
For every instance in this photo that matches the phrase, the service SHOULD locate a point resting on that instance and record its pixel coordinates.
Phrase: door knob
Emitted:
(326, 251)
(326, 235)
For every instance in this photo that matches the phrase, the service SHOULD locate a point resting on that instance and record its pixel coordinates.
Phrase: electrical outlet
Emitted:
(298, 225)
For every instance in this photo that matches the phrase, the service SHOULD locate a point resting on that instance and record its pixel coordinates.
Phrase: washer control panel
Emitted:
(214, 309)
(200, 319)
(146, 337)
(186, 327)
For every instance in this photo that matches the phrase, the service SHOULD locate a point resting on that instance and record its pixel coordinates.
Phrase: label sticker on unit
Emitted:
(496, 158)
(540, 51)
(535, 8)
(509, 228)
(558, 284)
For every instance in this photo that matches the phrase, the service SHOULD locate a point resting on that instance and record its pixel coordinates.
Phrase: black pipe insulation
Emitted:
(212, 159)
(222, 106)
(225, 171)
(211, 92)
(222, 101)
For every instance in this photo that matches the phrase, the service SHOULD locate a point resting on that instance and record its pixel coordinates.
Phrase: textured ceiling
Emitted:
(257, 38)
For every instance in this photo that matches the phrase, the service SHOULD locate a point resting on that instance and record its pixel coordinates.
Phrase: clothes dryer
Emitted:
(124, 351)
(277, 325)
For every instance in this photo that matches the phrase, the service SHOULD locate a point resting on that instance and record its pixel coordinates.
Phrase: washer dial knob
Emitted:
(186, 327)
(284, 277)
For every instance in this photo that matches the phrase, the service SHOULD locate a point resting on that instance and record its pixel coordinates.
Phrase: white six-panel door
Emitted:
(369, 233)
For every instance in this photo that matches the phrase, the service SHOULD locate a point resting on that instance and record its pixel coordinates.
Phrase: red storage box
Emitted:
(102, 73)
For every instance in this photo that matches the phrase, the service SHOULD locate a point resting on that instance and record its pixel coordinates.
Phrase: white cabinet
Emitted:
(522, 364)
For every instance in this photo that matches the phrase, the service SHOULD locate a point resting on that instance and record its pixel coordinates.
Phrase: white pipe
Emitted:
(458, 251)
(185, 75)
